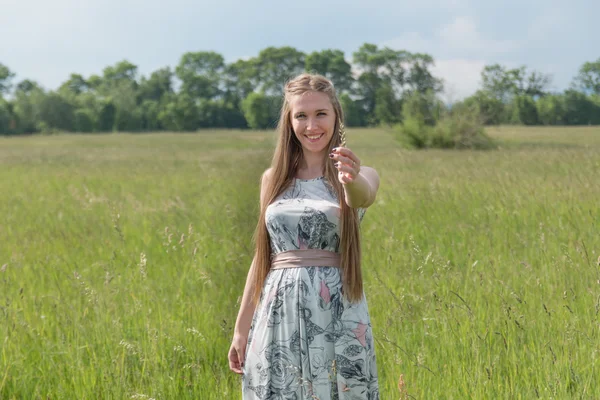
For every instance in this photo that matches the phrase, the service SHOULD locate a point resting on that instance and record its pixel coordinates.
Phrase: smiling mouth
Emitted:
(314, 138)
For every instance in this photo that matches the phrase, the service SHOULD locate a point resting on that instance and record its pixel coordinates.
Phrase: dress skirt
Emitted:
(307, 342)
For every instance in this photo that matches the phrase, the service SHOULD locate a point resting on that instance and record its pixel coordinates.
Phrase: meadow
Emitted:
(123, 259)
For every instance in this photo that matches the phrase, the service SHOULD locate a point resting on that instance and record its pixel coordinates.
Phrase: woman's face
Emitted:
(313, 120)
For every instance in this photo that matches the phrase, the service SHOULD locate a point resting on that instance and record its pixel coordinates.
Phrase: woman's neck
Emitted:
(311, 165)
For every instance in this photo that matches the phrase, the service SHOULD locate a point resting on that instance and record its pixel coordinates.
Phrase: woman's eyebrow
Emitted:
(302, 111)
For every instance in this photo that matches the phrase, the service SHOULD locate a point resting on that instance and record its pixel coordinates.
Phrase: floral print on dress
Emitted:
(306, 341)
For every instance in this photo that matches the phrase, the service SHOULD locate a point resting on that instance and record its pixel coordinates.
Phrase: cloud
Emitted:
(460, 52)
(460, 37)
(544, 25)
(46, 41)
(413, 42)
(461, 77)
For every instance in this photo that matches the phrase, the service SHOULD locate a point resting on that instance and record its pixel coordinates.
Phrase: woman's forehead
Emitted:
(310, 101)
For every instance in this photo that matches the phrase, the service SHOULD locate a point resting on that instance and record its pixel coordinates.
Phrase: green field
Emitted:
(123, 258)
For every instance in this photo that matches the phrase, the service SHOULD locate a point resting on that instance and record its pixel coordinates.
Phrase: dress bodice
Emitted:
(305, 216)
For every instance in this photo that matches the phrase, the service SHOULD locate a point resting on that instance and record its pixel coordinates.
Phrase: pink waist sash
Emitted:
(305, 258)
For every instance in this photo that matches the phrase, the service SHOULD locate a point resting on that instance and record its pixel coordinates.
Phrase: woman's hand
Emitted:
(237, 353)
(347, 164)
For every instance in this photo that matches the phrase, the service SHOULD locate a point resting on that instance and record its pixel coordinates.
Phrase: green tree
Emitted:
(588, 77)
(551, 110)
(240, 79)
(106, 115)
(123, 71)
(423, 107)
(333, 65)
(580, 109)
(504, 84)
(118, 89)
(180, 113)
(157, 85)
(90, 104)
(256, 108)
(150, 111)
(354, 114)
(367, 85)
(419, 77)
(219, 113)
(83, 120)
(497, 81)
(200, 74)
(386, 63)
(75, 85)
(6, 118)
(488, 107)
(5, 79)
(387, 107)
(537, 84)
(277, 65)
(386, 68)
(56, 112)
(128, 116)
(94, 83)
(524, 110)
(380, 66)
(28, 96)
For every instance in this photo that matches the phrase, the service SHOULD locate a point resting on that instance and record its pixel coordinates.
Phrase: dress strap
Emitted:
(305, 258)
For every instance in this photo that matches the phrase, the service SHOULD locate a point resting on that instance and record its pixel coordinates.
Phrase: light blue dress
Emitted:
(306, 341)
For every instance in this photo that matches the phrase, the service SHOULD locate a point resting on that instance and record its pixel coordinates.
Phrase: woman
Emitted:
(303, 330)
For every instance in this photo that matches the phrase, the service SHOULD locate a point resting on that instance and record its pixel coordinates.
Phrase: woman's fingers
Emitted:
(234, 361)
(347, 169)
(347, 153)
(347, 174)
(343, 159)
(241, 351)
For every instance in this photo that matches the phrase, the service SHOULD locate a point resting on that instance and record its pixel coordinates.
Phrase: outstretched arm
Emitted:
(360, 182)
(362, 191)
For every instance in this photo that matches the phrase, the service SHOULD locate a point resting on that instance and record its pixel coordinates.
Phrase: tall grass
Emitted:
(123, 257)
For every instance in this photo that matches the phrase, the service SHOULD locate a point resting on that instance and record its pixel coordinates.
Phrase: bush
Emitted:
(426, 107)
(414, 132)
(462, 129)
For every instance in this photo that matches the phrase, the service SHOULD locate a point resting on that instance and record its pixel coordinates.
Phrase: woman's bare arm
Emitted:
(363, 190)
(360, 183)
(244, 319)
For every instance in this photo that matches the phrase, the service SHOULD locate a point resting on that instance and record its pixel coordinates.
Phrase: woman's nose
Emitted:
(311, 124)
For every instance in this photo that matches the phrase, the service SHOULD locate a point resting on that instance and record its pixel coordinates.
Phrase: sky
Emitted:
(46, 41)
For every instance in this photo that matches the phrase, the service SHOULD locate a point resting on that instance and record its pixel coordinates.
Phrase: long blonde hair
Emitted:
(286, 159)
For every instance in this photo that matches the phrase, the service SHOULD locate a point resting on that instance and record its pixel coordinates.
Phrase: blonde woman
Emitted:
(303, 330)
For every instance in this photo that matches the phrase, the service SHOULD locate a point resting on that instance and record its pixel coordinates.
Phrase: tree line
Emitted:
(203, 91)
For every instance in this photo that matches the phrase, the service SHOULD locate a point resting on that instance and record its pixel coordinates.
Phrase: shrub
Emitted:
(461, 129)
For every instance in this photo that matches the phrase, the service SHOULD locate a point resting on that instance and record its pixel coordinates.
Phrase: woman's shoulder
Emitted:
(266, 176)
(264, 183)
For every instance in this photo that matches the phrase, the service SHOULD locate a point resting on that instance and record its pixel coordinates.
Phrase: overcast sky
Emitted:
(47, 40)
